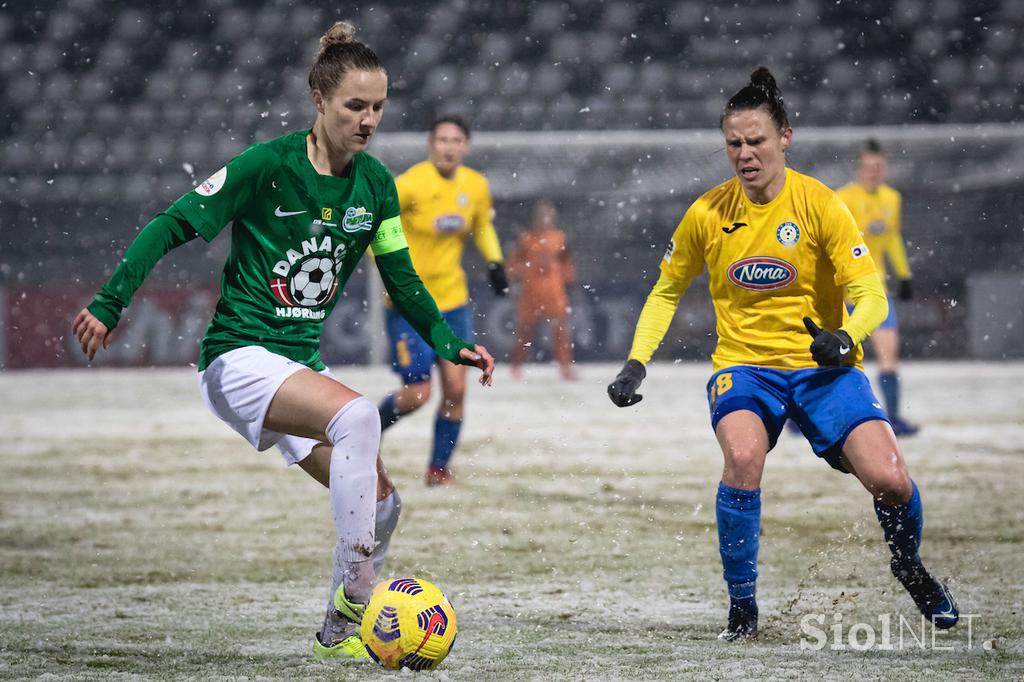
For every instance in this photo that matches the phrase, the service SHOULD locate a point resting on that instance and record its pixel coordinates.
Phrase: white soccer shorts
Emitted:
(238, 387)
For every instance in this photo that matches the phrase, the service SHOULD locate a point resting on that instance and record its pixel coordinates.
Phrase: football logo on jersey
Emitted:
(859, 250)
(761, 273)
(449, 223)
(788, 234)
(356, 219)
(308, 278)
(212, 184)
(463, 199)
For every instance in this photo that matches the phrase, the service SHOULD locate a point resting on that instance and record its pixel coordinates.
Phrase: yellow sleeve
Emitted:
(844, 243)
(404, 185)
(484, 234)
(895, 249)
(656, 317)
(870, 306)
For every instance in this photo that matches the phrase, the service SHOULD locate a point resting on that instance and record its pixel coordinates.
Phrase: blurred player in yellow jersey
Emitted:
(780, 248)
(442, 203)
(877, 208)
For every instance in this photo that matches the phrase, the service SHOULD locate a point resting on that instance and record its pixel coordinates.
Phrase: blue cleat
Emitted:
(932, 598)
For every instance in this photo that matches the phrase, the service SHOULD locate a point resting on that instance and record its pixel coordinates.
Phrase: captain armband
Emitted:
(389, 238)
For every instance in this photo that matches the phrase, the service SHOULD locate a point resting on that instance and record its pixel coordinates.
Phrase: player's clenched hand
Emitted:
(479, 357)
(499, 282)
(829, 349)
(906, 290)
(622, 391)
(91, 333)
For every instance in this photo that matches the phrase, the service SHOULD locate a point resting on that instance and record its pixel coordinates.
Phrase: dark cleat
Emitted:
(932, 598)
(742, 625)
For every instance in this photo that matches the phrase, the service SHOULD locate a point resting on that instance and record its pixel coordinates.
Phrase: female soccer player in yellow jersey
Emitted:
(304, 208)
(877, 208)
(780, 247)
(443, 202)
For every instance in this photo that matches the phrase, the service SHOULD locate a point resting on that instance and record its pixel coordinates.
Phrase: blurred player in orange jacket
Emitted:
(542, 265)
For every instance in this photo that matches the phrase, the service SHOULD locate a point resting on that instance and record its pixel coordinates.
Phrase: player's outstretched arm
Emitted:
(91, 333)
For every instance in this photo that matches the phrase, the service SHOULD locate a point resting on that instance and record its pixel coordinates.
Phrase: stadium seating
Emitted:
(93, 97)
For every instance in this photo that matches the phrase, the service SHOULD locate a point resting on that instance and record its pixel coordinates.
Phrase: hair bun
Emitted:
(763, 79)
(339, 32)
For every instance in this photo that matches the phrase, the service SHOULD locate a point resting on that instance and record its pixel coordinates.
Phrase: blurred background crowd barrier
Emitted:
(111, 110)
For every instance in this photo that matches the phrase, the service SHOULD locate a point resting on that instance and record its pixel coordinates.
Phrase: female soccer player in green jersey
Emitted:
(304, 208)
(780, 247)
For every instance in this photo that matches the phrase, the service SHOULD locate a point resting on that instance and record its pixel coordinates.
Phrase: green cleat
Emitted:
(351, 610)
(350, 647)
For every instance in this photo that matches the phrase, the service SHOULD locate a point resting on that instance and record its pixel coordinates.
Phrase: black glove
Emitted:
(622, 391)
(905, 291)
(829, 349)
(499, 282)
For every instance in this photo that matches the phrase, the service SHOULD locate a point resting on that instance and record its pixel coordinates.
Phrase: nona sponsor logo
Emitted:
(761, 273)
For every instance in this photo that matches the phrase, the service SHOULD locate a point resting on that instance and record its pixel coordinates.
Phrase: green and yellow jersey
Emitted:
(437, 216)
(878, 215)
(769, 265)
(296, 238)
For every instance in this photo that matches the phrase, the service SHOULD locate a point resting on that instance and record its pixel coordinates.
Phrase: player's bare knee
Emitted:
(743, 467)
(417, 395)
(892, 489)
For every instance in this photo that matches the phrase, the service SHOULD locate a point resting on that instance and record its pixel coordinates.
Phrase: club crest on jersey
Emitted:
(449, 222)
(357, 219)
(788, 234)
(761, 273)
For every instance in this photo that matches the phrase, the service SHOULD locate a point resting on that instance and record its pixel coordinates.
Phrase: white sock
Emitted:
(388, 511)
(355, 434)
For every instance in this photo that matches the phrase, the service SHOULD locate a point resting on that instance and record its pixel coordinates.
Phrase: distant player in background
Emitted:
(877, 208)
(443, 203)
(542, 265)
(780, 249)
(304, 208)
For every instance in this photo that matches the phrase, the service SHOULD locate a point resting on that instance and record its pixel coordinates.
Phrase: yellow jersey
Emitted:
(878, 215)
(437, 216)
(768, 266)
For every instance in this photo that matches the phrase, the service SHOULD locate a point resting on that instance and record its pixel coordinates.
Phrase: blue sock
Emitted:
(902, 525)
(890, 383)
(446, 435)
(739, 524)
(388, 414)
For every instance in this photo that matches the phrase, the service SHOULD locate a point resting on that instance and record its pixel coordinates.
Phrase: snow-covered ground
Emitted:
(140, 536)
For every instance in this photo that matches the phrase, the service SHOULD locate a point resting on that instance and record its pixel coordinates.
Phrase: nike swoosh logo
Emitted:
(284, 214)
(735, 226)
(843, 350)
(436, 621)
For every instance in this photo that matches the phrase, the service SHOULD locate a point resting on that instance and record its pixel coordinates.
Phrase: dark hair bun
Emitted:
(762, 79)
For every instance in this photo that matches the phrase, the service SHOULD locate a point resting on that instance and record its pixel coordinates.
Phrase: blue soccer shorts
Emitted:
(827, 403)
(412, 358)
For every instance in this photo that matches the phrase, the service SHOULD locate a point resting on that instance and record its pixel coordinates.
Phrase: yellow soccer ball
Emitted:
(408, 623)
